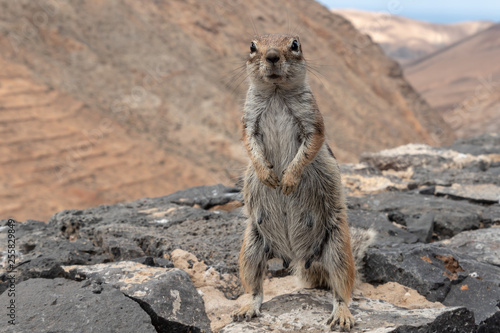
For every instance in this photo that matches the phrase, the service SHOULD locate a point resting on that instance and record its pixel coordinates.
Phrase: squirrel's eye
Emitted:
(295, 46)
(253, 48)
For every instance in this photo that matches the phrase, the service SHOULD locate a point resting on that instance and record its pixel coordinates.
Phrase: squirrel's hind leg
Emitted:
(253, 260)
(338, 260)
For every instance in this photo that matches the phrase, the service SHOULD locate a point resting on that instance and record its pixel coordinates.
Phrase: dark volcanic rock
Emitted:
(459, 320)
(480, 145)
(36, 239)
(168, 296)
(120, 248)
(154, 262)
(47, 268)
(156, 226)
(483, 297)
(61, 305)
(78, 252)
(490, 325)
(450, 216)
(41, 253)
(436, 272)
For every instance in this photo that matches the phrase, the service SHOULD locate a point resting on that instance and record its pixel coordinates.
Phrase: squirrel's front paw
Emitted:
(246, 312)
(268, 177)
(289, 182)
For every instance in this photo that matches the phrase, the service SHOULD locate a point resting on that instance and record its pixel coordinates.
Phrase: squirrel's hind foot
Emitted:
(342, 317)
(246, 312)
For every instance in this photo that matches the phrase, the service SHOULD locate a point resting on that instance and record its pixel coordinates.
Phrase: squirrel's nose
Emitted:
(272, 56)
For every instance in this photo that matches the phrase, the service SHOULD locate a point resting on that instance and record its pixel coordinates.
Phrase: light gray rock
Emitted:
(419, 155)
(483, 244)
(491, 215)
(307, 311)
(421, 226)
(482, 193)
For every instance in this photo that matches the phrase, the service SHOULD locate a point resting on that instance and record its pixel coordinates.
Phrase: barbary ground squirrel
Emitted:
(292, 188)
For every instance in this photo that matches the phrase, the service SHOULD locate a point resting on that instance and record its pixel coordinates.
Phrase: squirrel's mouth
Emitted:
(273, 76)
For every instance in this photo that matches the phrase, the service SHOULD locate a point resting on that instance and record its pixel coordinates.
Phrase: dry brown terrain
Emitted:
(462, 82)
(405, 39)
(165, 77)
(57, 153)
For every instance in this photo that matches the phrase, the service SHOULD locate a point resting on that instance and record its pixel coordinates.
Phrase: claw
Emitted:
(288, 183)
(269, 178)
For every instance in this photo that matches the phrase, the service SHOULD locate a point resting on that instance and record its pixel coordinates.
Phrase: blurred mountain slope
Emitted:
(462, 82)
(405, 39)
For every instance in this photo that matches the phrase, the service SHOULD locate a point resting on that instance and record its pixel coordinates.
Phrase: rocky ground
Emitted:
(169, 264)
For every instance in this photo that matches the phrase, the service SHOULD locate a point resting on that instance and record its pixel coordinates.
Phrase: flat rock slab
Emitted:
(206, 196)
(47, 268)
(387, 233)
(483, 193)
(422, 227)
(167, 295)
(61, 305)
(483, 244)
(450, 216)
(307, 311)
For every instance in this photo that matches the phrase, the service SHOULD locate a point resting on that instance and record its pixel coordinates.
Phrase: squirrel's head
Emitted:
(276, 60)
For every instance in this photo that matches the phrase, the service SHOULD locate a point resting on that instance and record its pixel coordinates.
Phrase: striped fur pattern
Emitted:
(293, 194)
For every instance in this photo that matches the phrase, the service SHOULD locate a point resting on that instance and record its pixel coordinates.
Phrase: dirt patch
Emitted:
(398, 295)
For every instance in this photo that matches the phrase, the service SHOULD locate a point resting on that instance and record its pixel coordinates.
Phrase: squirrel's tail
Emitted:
(361, 239)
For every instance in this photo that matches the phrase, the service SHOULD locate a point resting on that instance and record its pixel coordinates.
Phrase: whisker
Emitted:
(316, 74)
(240, 83)
(313, 69)
(256, 33)
(297, 31)
(233, 78)
(237, 69)
(235, 81)
(288, 21)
